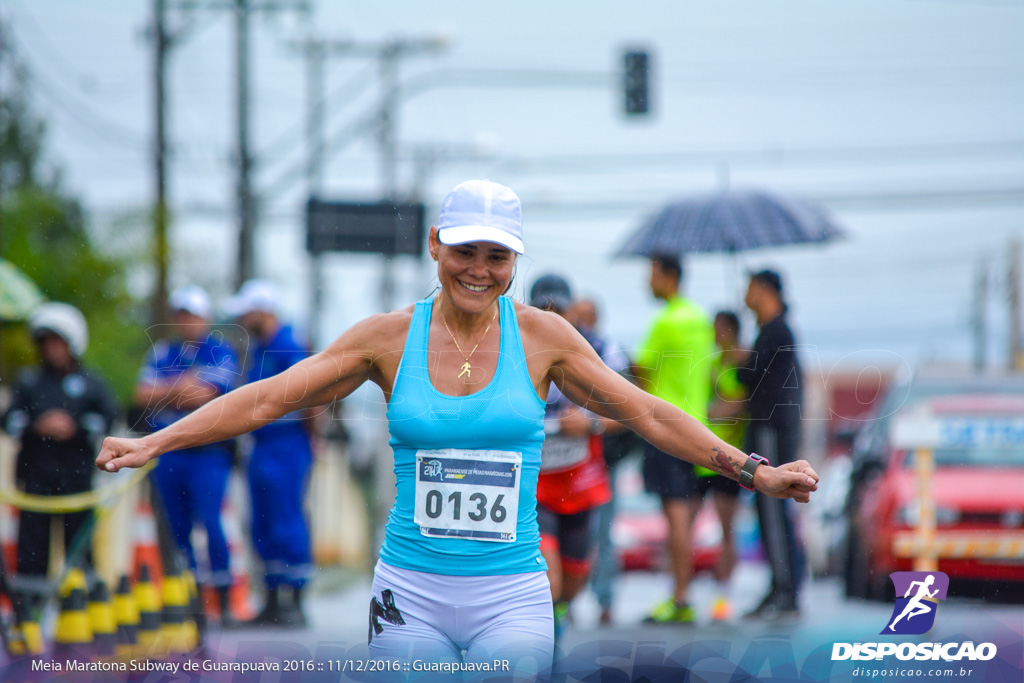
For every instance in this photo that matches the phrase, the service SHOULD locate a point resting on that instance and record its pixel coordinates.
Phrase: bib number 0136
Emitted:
(435, 506)
(468, 494)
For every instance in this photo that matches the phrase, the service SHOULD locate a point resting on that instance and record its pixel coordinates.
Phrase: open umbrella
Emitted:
(18, 294)
(730, 222)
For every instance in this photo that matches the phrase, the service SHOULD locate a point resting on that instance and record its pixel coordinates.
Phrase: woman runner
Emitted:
(465, 374)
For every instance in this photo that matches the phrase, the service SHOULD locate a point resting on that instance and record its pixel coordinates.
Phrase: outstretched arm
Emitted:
(326, 376)
(587, 381)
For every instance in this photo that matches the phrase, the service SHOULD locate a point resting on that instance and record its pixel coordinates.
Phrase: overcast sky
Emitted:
(905, 118)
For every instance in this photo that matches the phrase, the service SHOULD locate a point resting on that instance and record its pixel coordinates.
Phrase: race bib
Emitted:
(563, 452)
(468, 494)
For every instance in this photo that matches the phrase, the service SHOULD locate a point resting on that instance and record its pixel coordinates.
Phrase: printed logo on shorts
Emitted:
(385, 610)
(917, 601)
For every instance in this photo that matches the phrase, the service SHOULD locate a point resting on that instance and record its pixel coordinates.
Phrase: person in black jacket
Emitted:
(60, 411)
(773, 380)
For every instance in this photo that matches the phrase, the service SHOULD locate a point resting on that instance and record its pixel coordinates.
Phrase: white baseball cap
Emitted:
(481, 211)
(64, 320)
(255, 295)
(192, 299)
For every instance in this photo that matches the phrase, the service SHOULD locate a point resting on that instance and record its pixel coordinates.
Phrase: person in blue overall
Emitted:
(461, 581)
(279, 463)
(178, 376)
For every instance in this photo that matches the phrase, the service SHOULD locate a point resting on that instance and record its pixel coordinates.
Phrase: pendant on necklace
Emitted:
(465, 371)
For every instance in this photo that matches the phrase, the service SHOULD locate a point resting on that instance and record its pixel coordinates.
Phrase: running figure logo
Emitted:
(914, 613)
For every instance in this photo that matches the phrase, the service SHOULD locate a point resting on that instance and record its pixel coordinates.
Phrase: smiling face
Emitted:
(472, 275)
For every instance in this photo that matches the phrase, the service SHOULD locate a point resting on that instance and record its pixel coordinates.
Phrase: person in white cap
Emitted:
(465, 373)
(178, 376)
(60, 411)
(280, 461)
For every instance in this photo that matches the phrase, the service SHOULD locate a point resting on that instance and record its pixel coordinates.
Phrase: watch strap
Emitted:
(754, 461)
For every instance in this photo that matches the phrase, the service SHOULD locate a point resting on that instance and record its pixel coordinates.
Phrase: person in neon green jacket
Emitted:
(674, 364)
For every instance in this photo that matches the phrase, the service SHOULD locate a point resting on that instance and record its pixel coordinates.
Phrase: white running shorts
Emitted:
(416, 616)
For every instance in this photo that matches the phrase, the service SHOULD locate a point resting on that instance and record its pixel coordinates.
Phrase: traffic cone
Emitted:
(74, 633)
(9, 544)
(102, 621)
(195, 606)
(26, 637)
(148, 603)
(75, 578)
(15, 641)
(240, 592)
(126, 612)
(177, 629)
(147, 544)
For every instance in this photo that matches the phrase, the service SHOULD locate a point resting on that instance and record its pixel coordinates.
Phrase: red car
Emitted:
(978, 492)
(640, 532)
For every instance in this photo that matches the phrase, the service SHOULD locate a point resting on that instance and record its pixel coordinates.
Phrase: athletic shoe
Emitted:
(668, 612)
(774, 608)
(561, 619)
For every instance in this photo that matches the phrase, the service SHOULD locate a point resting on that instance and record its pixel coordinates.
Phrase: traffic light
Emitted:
(635, 81)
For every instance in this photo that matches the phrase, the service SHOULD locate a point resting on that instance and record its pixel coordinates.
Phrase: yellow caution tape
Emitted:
(75, 502)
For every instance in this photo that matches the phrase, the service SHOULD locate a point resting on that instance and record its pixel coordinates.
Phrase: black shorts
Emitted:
(572, 533)
(672, 478)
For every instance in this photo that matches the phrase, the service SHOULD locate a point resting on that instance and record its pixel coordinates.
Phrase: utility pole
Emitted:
(980, 315)
(388, 54)
(246, 217)
(316, 51)
(388, 63)
(315, 171)
(245, 200)
(1013, 286)
(161, 44)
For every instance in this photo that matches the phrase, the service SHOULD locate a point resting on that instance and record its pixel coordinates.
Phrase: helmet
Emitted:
(65, 321)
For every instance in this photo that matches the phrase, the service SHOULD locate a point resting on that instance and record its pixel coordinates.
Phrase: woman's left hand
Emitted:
(794, 480)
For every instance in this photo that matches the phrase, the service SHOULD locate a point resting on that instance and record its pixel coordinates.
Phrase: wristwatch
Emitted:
(747, 471)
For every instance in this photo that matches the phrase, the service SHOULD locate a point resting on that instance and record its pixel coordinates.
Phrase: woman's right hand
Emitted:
(116, 453)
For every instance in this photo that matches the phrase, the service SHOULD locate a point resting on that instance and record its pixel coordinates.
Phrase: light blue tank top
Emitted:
(507, 415)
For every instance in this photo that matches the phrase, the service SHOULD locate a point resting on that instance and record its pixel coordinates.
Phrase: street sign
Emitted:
(387, 228)
(921, 429)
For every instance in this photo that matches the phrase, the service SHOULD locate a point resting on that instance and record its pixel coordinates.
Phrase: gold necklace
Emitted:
(466, 369)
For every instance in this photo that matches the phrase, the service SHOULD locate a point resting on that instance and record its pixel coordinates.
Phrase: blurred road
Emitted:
(338, 622)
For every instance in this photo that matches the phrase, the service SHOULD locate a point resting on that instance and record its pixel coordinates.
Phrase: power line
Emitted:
(768, 155)
(288, 139)
(79, 112)
(25, 18)
(88, 120)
